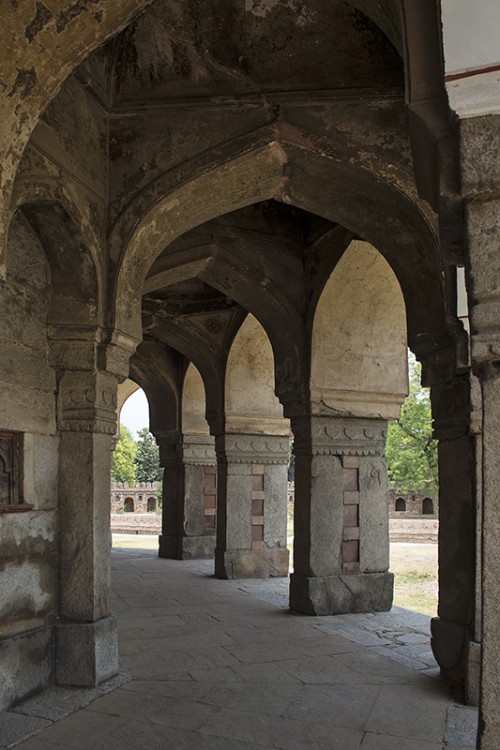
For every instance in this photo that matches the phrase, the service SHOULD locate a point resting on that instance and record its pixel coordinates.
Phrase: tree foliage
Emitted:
(123, 468)
(147, 459)
(412, 463)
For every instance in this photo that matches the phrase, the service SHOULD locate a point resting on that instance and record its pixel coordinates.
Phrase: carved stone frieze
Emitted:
(338, 436)
(252, 449)
(199, 450)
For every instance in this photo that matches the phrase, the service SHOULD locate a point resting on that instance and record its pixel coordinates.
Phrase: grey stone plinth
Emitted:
(86, 653)
(341, 594)
(265, 563)
(197, 547)
(170, 547)
(187, 547)
(26, 665)
(473, 674)
(450, 642)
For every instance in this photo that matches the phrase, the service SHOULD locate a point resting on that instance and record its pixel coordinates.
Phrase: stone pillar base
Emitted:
(170, 547)
(197, 547)
(341, 594)
(473, 674)
(186, 547)
(252, 563)
(459, 658)
(449, 642)
(86, 653)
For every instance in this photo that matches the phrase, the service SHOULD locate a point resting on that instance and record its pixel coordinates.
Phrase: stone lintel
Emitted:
(86, 653)
(245, 563)
(356, 404)
(341, 594)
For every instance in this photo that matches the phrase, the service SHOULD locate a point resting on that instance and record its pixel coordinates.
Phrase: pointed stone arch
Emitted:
(358, 349)
(249, 177)
(194, 403)
(251, 404)
(346, 193)
(75, 279)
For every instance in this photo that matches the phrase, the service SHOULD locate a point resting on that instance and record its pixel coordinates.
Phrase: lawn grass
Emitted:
(135, 541)
(415, 569)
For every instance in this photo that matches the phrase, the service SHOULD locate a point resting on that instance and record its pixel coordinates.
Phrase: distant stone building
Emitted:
(411, 504)
(400, 504)
(140, 498)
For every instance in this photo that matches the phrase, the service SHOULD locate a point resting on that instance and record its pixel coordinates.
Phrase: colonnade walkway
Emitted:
(222, 665)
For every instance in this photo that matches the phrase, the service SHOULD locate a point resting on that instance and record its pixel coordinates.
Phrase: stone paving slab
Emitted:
(461, 729)
(221, 665)
(15, 727)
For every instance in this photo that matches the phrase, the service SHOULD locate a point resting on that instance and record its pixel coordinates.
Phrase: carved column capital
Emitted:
(486, 355)
(451, 408)
(90, 348)
(198, 450)
(170, 445)
(339, 436)
(87, 402)
(252, 449)
(441, 357)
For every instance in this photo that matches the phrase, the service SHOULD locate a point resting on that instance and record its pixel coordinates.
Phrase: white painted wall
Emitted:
(471, 34)
(471, 41)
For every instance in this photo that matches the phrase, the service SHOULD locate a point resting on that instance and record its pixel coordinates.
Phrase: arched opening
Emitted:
(427, 506)
(358, 382)
(151, 505)
(256, 441)
(358, 360)
(400, 505)
(347, 162)
(129, 505)
(200, 469)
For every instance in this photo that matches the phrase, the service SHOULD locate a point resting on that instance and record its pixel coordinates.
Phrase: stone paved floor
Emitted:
(221, 665)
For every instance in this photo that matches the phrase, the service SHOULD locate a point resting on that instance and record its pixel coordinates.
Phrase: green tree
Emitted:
(412, 462)
(147, 459)
(123, 468)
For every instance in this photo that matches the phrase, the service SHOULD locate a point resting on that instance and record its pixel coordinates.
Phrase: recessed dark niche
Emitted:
(11, 477)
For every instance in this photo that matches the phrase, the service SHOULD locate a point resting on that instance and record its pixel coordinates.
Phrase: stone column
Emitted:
(189, 496)
(251, 506)
(341, 544)
(172, 517)
(480, 183)
(453, 629)
(86, 641)
(489, 715)
(200, 496)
